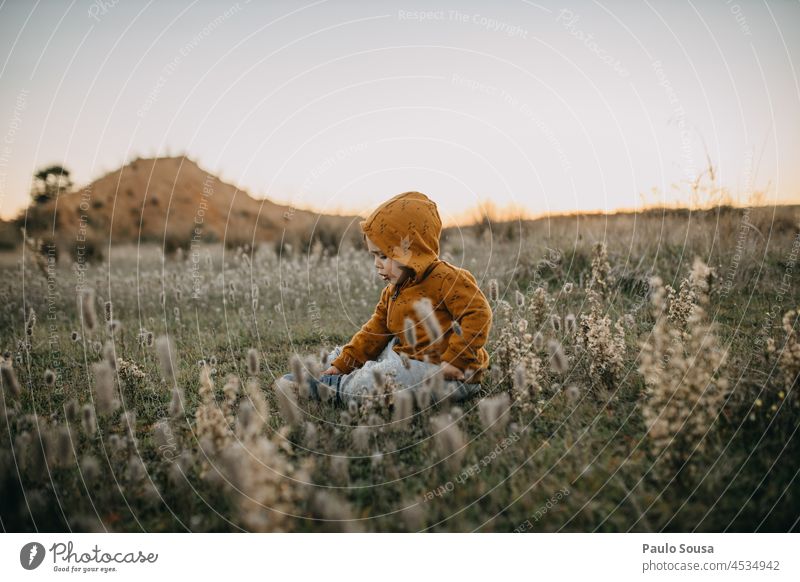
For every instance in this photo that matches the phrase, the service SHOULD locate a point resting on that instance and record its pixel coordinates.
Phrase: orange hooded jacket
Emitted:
(407, 229)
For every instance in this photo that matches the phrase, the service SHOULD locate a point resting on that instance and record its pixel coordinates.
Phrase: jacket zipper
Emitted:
(392, 300)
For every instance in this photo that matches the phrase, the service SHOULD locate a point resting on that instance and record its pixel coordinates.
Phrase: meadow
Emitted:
(644, 378)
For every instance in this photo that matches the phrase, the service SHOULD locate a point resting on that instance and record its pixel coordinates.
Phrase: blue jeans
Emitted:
(361, 380)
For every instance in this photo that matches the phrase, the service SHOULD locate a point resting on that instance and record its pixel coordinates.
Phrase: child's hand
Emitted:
(451, 372)
(333, 370)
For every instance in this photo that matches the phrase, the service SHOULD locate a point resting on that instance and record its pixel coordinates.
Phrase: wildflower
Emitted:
(555, 321)
(88, 420)
(568, 287)
(257, 399)
(424, 310)
(231, 392)
(166, 358)
(403, 408)
(494, 291)
(604, 342)
(287, 404)
(90, 469)
(685, 387)
(572, 393)
(104, 392)
(108, 311)
(252, 362)
(339, 470)
(360, 436)
(558, 361)
(310, 435)
(176, 407)
(71, 411)
(298, 371)
(149, 339)
(601, 279)
(538, 307)
(30, 323)
(135, 472)
(75, 336)
(109, 353)
(422, 396)
(448, 440)
(570, 324)
(86, 308)
(49, 378)
(520, 384)
(520, 299)
(494, 412)
(410, 332)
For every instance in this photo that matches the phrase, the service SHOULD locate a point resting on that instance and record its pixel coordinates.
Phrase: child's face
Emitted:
(389, 269)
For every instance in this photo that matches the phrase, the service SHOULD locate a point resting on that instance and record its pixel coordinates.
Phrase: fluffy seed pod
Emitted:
(253, 364)
(410, 332)
(104, 390)
(287, 404)
(519, 298)
(572, 393)
(558, 361)
(448, 440)
(166, 358)
(360, 438)
(88, 420)
(494, 412)
(555, 321)
(424, 310)
(86, 308)
(10, 379)
(72, 411)
(90, 469)
(494, 291)
(403, 408)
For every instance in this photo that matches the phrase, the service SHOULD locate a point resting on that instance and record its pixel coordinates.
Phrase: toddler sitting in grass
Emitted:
(431, 318)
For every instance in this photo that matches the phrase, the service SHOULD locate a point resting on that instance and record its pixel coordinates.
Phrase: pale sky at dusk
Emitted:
(339, 105)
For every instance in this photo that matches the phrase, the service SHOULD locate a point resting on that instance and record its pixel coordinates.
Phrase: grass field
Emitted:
(613, 404)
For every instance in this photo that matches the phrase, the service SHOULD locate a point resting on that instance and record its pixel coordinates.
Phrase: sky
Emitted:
(338, 105)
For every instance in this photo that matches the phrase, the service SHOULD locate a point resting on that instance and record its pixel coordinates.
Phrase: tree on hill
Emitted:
(49, 183)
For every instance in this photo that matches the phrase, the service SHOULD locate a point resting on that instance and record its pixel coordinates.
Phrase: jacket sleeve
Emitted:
(469, 307)
(368, 342)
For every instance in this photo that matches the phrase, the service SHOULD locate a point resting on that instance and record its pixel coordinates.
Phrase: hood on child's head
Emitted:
(407, 229)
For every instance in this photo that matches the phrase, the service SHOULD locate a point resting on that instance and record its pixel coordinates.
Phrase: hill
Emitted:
(172, 201)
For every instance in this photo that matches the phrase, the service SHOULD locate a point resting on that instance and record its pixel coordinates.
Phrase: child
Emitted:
(432, 316)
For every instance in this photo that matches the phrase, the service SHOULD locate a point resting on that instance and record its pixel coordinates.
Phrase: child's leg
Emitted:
(362, 380)
(389, 363)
